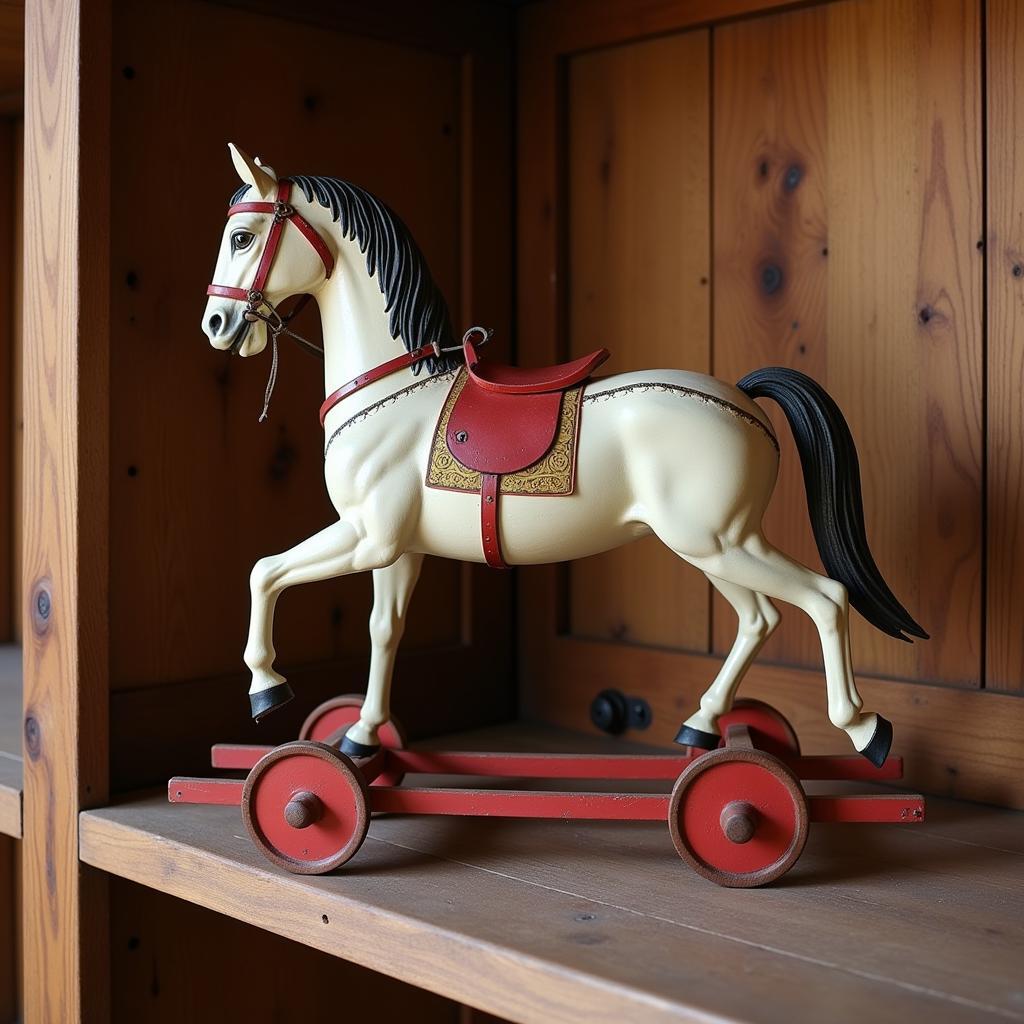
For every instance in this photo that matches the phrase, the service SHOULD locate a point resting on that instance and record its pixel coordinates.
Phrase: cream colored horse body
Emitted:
(679, 454)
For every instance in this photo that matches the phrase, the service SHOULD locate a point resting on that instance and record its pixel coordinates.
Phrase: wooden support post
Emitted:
(65, 605)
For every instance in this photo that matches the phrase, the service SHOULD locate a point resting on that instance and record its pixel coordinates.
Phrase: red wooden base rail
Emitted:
(625, 767)
(900, 808)
(511, 803)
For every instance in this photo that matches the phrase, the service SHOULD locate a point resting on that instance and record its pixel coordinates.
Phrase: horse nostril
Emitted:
(216, 322)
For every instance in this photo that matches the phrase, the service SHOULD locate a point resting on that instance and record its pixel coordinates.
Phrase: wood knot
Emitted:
(33, 737)
(771, 278)
(42, 607)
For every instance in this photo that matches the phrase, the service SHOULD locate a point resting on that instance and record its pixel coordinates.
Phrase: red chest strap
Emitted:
(384, 370)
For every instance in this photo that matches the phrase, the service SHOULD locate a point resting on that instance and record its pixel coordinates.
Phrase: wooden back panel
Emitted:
(833, 156)
(199, 490)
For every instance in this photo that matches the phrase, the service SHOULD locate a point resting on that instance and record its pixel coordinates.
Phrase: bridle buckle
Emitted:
(282, 210)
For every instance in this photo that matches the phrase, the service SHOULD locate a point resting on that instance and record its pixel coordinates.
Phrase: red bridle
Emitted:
(284, 213)
(254, 298)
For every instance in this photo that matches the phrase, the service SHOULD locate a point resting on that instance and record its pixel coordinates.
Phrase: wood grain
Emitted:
(17, 365)
(1004, 640)
(877, 108)
(821, 116)
(905, 309)
(197, 498)
(174, 961)
(639, 257)
(8, 192)
(67, 213)
(770, 217)
(441, 157)
(560, 921)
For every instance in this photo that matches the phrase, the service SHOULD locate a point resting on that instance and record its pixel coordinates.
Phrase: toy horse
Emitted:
(431, 449)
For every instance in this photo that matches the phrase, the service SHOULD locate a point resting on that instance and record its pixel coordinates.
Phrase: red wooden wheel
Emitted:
(769, 729)
(305, 806)
(738, 817)
(327, 724)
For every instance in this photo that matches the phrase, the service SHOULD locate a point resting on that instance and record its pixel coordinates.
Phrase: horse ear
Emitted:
(266, 168)
(252, 174)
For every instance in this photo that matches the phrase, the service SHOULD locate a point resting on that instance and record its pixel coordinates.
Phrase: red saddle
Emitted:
(505, 419)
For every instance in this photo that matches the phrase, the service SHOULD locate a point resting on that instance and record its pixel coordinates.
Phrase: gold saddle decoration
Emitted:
(553, 474)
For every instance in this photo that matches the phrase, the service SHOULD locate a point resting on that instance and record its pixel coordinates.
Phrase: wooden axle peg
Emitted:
(303, 810)
(739, 821)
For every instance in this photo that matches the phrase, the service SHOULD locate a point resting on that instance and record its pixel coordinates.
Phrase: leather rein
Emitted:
(255, 300)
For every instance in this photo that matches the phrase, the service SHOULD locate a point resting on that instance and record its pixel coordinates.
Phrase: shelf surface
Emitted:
(10, 740)
(581, 921)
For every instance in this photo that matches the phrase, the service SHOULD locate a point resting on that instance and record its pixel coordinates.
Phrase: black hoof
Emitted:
(690, 737)
(878, 749)
(354, 749)
(268, 700)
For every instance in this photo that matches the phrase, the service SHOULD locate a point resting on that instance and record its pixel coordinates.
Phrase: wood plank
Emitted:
(770, 217)
(8, 193)
(67, 213)
(562, 921)
(174, 961)
(955, 742)
(12, 55)
(10, 740)
(814, 126)
(17, 364)
(10, 923)
(905, 307)
(165, 501)
(568, 26)
(1004, 642)
(638, 283)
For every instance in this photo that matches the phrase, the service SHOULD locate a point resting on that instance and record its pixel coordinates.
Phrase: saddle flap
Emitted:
(493, 432)
(530, 380)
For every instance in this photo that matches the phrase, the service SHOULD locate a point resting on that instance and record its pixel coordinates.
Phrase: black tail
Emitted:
(832, 478)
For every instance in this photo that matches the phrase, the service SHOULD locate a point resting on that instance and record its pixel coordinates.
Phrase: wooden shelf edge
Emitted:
(566, 922)
(10, 811)
(464, 967)
(11, 767)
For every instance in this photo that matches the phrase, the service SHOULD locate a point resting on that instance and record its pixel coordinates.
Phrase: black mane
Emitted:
(417, 311)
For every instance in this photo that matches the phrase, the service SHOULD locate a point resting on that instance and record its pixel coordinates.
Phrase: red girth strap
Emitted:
(283, 213)
(360, 382)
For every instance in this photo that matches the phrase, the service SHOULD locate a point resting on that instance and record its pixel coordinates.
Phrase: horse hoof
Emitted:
(270, 699)
(878, 746)
(690, 737)
(354, 749)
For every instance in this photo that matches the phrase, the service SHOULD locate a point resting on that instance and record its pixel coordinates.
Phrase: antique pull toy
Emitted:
(737, 815)
(681, 455)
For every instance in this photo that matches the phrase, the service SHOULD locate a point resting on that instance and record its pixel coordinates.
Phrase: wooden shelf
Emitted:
(565, 921)
(10, 740)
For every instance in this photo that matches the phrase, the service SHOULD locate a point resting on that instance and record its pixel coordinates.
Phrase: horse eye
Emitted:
(241, 240)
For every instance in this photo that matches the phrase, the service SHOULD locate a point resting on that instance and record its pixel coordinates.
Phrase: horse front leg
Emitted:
(392, 591)
(339, 549)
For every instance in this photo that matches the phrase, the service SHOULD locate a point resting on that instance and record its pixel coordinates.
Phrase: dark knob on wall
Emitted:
(613, 712)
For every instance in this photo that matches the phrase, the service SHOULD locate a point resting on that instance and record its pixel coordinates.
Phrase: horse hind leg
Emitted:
(755, 564)
(758, 618)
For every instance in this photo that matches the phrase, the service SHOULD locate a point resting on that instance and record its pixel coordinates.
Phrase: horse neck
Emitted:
(356, 333)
